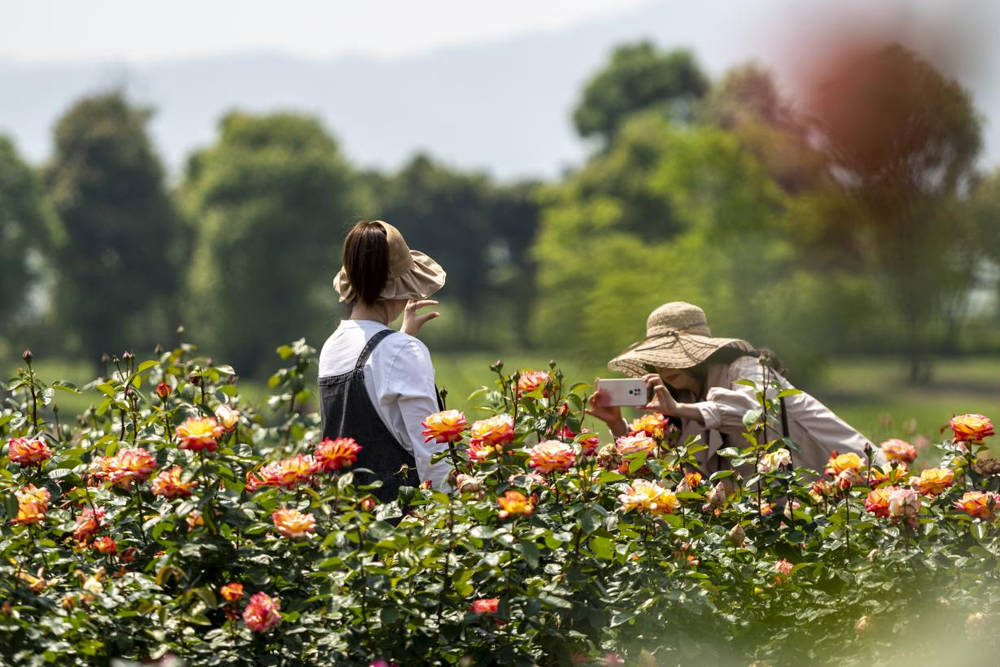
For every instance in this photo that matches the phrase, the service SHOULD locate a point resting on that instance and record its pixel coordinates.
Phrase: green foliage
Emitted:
(269, 204)
(620, 552)
(28, 229)
(638, 78)
(116, 267)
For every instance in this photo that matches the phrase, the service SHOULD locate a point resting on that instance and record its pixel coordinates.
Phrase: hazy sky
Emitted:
(144, 30)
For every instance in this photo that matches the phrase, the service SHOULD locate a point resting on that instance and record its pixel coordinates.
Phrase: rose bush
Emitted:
(174, 518)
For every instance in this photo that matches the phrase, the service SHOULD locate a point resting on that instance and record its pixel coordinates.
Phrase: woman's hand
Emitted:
(662, 401)
(412, 320)
(609, 414)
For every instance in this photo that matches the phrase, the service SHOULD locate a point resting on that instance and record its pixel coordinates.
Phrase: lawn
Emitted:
(870, 393)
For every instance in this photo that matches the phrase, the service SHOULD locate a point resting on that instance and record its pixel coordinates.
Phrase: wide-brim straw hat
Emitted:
(412, 274)
(677, 337)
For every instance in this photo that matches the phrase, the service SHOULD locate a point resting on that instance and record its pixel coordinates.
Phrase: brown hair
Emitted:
(366, 260)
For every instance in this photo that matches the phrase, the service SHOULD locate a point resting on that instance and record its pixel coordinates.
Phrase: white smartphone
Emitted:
(624, 392)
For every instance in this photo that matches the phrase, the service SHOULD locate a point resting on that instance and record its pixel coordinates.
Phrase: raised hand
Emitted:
(413, 320)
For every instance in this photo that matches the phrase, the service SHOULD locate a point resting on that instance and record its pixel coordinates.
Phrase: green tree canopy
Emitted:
(639, 77)
(28, 229)
(901, 140)
(270, 202)
(107, 185)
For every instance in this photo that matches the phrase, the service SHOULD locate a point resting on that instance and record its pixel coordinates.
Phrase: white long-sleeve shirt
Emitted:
(399, 378)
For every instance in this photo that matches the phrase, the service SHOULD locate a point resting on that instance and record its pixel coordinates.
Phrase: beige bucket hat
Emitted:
(677, 336)
(412, 274)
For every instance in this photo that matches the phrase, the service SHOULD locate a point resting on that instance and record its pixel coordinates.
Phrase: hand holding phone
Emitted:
(621, 392)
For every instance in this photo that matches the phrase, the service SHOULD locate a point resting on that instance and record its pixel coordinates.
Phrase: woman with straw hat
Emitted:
(377, 384)
(693, 377)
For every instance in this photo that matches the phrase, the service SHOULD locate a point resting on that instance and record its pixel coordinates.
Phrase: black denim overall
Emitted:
(348, 413)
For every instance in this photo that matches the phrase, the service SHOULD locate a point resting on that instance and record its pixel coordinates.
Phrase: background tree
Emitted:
(271, 202)
(106, 182)
(639, 77)
(902, 140)
(29, 231)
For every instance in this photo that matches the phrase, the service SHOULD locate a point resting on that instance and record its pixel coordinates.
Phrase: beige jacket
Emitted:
(811, 425)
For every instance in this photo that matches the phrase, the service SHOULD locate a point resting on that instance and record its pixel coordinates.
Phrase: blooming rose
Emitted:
(653, 424)
(261, 613)
(228, 417)
(485, 606)
(128, 465)
(88, 523)
(514, 503)
(32, 504)
(232, 592)
(933, 481)
(27, 452)
(645, 496)
(899, 450)
(531, 381)
(105, 545)
(494, 432)
(774, 460)
(332, 455)
(253, 481)
(840, 463)
(198, 433)
(971, 428)
(293, 523)
(630, 444)
(979, 504)
(894, 476)
(444, 426)
(877, 502)
(288, 473)
(169, 484)
(98, 470)
(783, 567)
(551, 455)
(479, 453)
(905, 504)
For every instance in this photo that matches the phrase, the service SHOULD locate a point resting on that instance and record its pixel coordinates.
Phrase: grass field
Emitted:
(871, 394)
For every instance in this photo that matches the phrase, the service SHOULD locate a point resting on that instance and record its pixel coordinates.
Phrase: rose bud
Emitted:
(368, 504)
(737, 536)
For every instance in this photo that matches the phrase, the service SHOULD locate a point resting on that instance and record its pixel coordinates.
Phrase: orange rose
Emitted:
(288, 473)
(892, 475)
(261, 613)
(551, 455)
(88, 523)
(293, 523)
(494, 432)
(589, 442)
(98, 470)
(228, 417)
(933, 481)
(32, 505)
(129, 465)
(877, 502)
(27, 452)
(653, 424)
(899, 450)
(444, 426)
(200, 433)
(645, 496)
(332, 455)
(169, 484)
(531, 381)
(514, 503)
(783, 569)
(971, 428)
(841, 463)
(232, 592)
(105, 545)
(163, 390)
(632, 444)
(979, 504)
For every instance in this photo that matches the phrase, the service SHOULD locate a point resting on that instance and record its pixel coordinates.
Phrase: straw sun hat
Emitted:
(677, 337)
(412, 274)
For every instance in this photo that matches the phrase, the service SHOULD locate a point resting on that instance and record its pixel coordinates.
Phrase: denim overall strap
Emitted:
(348, 412)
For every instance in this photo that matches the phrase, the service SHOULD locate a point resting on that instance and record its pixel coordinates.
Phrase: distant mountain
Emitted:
(503, 107)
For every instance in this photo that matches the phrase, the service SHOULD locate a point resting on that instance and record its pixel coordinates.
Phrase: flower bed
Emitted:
(171, 518)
